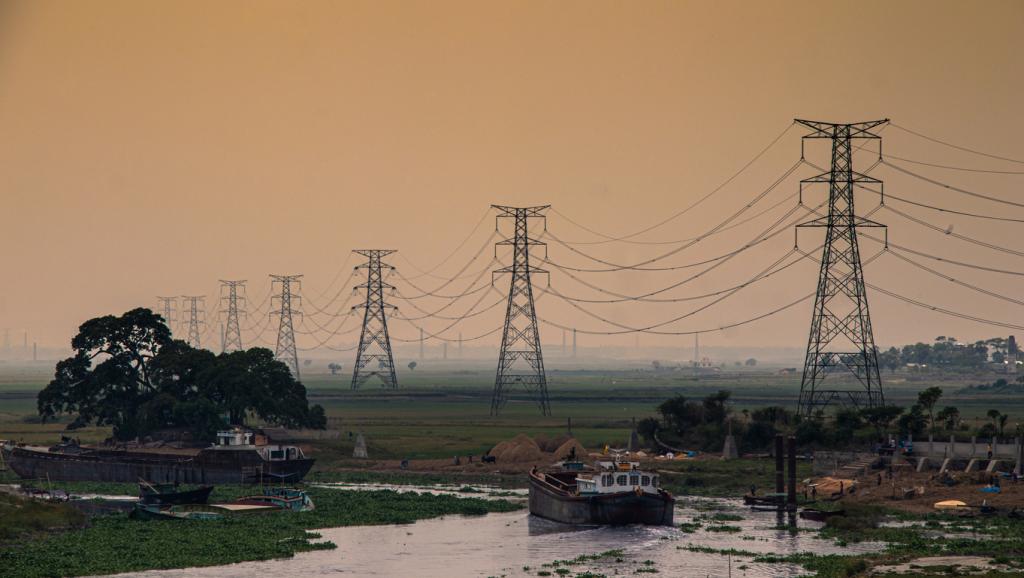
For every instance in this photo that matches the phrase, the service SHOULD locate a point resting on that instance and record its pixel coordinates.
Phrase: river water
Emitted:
(516, 544)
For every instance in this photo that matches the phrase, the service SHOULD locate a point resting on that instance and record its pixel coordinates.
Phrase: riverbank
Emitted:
(113, 543)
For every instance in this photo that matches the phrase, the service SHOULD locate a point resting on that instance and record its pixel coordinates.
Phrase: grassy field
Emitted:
(438, 414)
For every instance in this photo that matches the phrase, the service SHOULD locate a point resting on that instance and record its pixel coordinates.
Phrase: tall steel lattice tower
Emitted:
(286, 302)
(168, 308)
(195, 316)
(841, 345)
(520, 361)
(232, 330)
(374, 355)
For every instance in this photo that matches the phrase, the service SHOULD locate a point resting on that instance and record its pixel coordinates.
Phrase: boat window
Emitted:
(621, 480)
(634, 480)
(277, 454)
(654, 481)
(645, 481)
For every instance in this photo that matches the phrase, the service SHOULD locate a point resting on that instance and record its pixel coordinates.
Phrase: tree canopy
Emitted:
(129, 373)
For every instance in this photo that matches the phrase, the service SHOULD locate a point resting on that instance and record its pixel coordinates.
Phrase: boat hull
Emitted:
(207, 467)
(195, 496)
(547, 501)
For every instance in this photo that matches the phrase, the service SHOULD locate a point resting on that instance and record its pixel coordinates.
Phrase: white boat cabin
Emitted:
(238, 439)
(616, 477)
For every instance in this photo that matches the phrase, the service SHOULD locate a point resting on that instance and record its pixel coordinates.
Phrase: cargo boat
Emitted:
(234, 459)
(613, 493)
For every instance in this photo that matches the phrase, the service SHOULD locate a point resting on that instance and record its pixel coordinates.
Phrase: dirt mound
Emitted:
(524, 453)
(551, 445)
(519, 449)
(563, 451)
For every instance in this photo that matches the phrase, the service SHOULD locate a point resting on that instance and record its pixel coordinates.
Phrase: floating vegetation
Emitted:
(114, 544)
(724, 528)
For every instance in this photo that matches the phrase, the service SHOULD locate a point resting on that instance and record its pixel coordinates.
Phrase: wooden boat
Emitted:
(234, 459)
(270, 500)
(198, 511)
(616, 493)
(290, 499)
(772, 500)
(156, 512)
(820, 515)
(170, 494)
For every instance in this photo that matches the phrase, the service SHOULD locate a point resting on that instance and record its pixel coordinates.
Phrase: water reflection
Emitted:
(505, 544)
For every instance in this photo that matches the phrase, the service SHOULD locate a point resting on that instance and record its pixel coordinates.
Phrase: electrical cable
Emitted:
(952, 187)
(940, 209)
(429, 272)
(766, 233)
(678, 214)
(640, 265)
(954, 234)
(952, 167)
(958, 147)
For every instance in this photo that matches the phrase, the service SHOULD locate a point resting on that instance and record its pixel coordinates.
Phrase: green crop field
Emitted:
(441, 413)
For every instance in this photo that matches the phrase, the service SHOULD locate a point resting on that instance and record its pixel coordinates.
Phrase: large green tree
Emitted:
(127, 372)
(110, 376)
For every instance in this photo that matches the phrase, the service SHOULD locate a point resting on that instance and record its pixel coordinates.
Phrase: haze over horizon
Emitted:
(153, 148)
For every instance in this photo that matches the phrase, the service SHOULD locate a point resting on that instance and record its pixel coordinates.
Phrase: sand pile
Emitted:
(563, 451)
(524, 449)
(519, 449)
(551, 445)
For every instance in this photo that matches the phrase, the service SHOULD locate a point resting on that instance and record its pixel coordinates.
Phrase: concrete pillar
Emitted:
(791, 493)
(971, 465)
(974, 446)
(952, 446)
(779, 465)
(931, 443)
(921, 463)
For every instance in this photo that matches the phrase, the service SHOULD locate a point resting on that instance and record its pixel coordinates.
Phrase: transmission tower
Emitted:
(195, 316)
(168, 308)
(374, 354)
(520, 360)
(286, 300)
(232, 332)
(841, 342)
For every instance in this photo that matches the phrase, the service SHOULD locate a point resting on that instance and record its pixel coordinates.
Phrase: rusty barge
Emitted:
(234, 459)
(615, 493)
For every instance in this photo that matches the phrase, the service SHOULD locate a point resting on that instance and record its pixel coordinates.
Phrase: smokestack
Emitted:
(779, 465)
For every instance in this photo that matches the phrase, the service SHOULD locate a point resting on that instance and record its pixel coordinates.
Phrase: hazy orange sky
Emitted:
(152, 148)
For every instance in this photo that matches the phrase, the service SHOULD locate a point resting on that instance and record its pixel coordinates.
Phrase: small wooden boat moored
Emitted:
(616, 493)
(290, 499)
(816, 515)
(771, 501)
(171, 494)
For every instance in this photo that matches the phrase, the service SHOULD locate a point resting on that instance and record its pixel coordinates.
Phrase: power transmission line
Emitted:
(287, 299)
(676, 215)
(520, 361)
(841, 338)
(168, 308)
(957, 147)
(374, 357)
(232, 329)
(195, 317)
